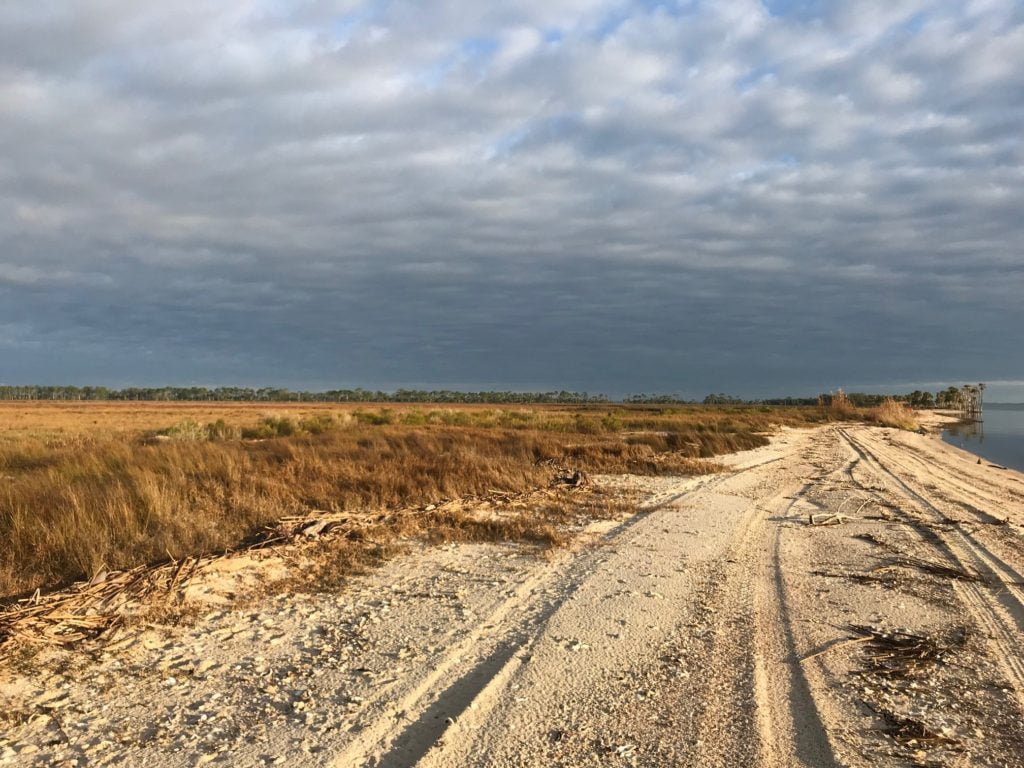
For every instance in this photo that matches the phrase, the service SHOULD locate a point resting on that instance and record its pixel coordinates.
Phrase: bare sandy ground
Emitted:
(715, 627)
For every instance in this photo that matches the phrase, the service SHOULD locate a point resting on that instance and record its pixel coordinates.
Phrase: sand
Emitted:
(712, 628)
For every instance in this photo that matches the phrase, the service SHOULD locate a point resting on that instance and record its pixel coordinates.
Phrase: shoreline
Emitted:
(942, 421)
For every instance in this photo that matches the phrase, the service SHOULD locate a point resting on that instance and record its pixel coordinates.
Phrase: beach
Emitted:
(845, 596)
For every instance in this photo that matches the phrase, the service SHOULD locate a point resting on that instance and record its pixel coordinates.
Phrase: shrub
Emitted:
(451, 418)
(895, 414)
(415, 418)
(221, 430)
(586, 425)
(379, 419)
(841, 407)
(270, 427)
(191, 430)
(611, 423)
(318, 424)
(185, 430)
(514, 419)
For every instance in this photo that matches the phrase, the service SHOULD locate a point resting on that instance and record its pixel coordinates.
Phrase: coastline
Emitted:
(939, 421)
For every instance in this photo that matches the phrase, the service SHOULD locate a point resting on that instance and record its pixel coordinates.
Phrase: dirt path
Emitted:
(712, 628)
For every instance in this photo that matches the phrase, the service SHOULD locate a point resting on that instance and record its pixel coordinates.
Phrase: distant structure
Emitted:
(969, 401)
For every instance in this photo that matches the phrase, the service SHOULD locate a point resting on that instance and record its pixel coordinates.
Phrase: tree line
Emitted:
(946, 398)
(280, 395)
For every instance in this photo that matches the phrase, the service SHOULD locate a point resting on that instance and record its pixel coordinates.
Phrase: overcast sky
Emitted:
(749, 197)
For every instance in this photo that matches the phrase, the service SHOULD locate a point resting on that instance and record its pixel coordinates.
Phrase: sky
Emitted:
(758, 198)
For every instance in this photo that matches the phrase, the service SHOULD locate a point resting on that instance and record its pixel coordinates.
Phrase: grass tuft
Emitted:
(892, 413)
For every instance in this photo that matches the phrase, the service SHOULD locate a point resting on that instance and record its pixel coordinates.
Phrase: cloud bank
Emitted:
(743, 196)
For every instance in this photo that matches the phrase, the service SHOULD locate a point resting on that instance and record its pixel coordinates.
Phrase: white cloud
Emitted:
(421, 157)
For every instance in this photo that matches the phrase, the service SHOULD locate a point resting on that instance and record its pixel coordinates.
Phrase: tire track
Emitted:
(972, 496)
(999, 613)
(971, 470)
(731, 716)
(986, 560)
(754, 681)
(384, 742)
(411, 728)
(732, 664)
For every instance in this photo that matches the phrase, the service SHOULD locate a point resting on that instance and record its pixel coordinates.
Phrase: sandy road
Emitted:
(656, 653)
(677, 636)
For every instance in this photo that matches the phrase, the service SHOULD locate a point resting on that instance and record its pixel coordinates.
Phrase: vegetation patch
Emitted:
(96, 497)
(892, 413)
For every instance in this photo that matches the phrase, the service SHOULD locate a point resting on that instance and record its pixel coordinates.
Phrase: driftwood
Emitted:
(873, 539)
(837, 517)
(936, 569)
(834, 646)
(901, 653)
(572, 478)
(896, 652)
(827, 518)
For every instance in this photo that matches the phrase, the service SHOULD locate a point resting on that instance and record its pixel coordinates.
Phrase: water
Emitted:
(999, 438)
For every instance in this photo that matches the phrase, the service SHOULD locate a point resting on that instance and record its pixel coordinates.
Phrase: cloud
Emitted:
(616, 196)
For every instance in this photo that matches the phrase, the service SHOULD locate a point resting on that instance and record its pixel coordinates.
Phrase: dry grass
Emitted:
(891, 413)
(90, 486)
(839, 408)
(69, 510)
(895, 414)
(62, 420)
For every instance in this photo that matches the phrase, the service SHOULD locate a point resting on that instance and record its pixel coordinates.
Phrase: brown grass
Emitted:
(69, 510)
(56, 420)
(895, 414)
(841, 409)
(90, 486)
(891, 413)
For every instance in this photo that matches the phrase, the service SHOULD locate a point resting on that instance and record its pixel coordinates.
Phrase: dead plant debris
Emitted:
(871, 538)
(88, 609)
(900, 653)
(910, 731)
(936, 569)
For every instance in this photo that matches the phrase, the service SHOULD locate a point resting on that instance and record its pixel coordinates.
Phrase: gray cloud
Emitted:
(614, 196)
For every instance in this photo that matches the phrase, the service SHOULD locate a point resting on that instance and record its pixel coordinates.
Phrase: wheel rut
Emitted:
(409, 726)
(997, 606)
(410, 729)
(480, 700)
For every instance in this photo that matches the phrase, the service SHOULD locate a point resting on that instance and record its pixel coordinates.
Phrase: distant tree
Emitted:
(721, 399)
